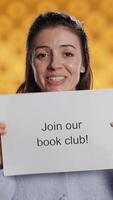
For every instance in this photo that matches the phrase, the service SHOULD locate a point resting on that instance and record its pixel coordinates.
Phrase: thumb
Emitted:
(111, 124)
(1, 159)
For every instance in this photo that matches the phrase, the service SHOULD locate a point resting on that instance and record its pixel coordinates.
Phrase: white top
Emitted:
(91, 185)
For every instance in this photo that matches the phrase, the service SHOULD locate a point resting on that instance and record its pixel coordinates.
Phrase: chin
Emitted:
(55, 89)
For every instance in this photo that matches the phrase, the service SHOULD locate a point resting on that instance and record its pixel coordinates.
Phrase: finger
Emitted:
(1, 159)
(111, 124)
(2, 125)
(2, 131)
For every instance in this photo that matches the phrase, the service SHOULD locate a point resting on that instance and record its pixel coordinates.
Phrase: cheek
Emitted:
(39, 78)
(75, 68)
(39, 74)
(75, 63)
(37, 70)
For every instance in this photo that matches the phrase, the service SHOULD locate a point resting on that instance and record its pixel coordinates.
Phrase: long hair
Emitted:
(54, 19)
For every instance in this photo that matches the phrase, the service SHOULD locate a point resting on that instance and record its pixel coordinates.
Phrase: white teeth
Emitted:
(56, 78)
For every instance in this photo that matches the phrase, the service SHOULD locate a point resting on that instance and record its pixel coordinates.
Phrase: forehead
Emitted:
(56, 35)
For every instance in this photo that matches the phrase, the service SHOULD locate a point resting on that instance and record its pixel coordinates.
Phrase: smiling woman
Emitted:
(57, 59)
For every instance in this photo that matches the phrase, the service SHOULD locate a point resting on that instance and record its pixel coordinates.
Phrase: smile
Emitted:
(56, 80)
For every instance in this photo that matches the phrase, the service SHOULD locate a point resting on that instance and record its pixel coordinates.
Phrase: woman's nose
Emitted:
(55, 63)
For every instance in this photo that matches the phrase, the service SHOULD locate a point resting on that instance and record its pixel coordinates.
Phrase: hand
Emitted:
(2, 132)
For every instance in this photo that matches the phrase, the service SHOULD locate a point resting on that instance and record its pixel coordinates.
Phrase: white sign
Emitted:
(57, 131)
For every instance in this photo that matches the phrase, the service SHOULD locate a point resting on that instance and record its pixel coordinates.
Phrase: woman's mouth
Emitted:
(56, 80)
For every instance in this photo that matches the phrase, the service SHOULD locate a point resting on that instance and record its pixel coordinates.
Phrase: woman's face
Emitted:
(57, 59)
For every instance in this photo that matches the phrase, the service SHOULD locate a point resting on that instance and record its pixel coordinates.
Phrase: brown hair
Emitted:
(53, 19)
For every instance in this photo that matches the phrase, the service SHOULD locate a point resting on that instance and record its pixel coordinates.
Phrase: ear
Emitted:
(82, 69)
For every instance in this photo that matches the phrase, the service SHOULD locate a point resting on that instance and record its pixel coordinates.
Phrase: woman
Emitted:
(57, 60)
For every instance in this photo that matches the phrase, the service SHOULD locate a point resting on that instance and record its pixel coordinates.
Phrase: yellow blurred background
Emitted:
(16, 17)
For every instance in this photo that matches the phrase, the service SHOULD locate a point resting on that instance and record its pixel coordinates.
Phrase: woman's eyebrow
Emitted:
(40, 47)
(62, 45)
(68, 45)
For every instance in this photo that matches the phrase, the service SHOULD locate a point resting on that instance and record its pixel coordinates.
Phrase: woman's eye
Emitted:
(68, 54)
(41, 55)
